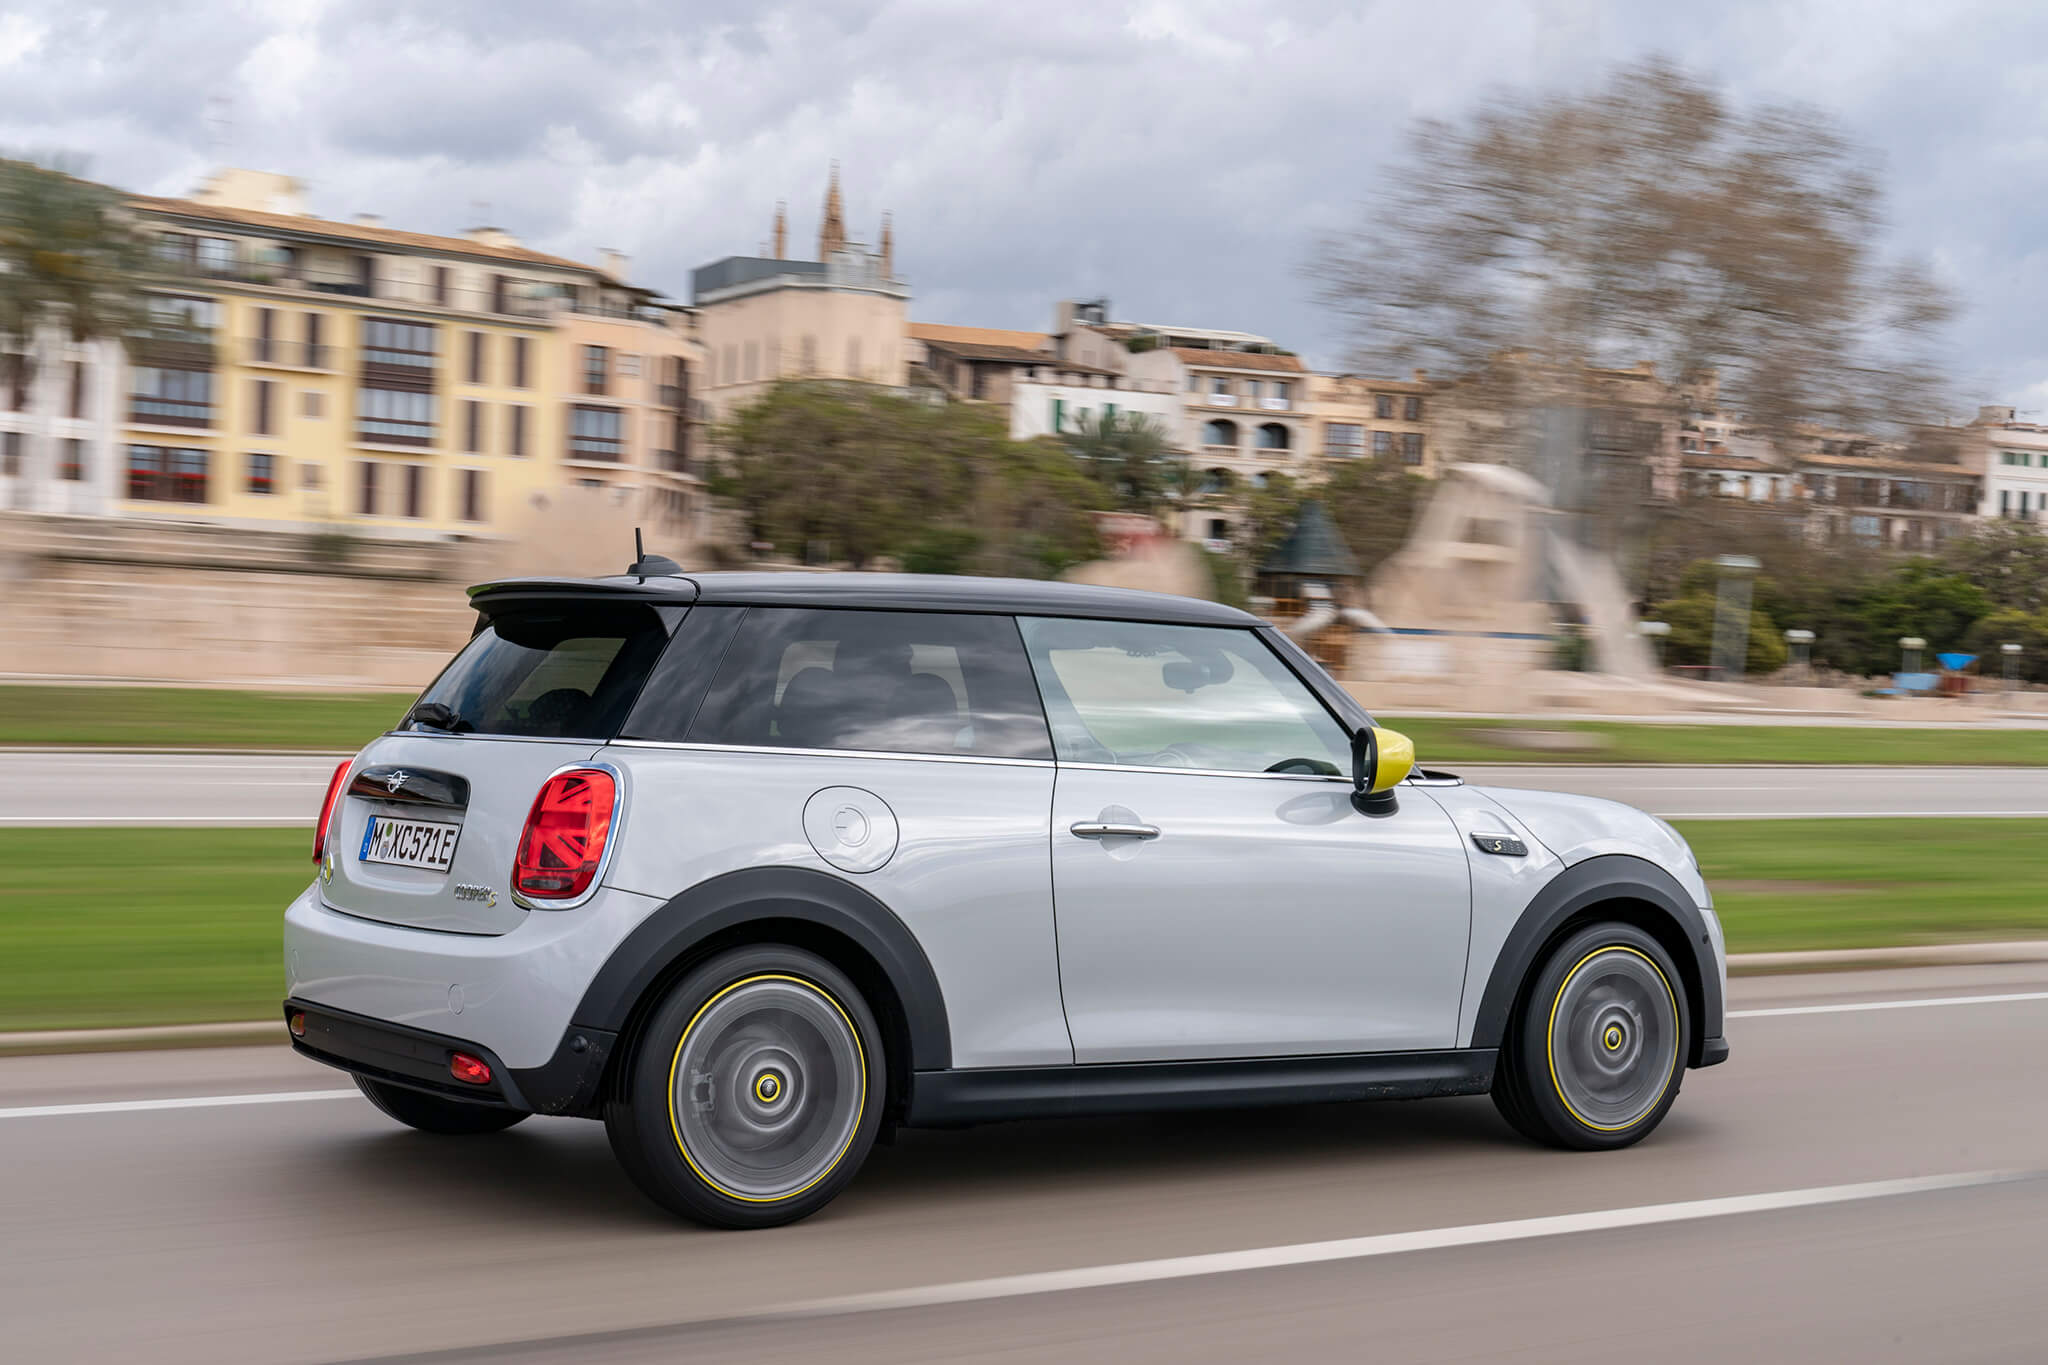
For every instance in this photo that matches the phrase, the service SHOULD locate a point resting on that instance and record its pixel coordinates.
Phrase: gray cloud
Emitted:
(1179, 157)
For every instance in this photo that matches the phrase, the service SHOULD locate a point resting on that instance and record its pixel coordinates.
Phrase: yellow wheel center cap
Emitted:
(1612, 1038)
(768, 1088)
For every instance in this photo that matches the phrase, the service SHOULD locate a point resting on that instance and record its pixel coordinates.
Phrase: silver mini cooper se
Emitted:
(758, 867)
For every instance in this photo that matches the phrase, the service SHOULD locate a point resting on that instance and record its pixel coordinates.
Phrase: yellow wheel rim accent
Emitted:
(1550, 1039)
(1612, 1038)
(860, 1053)
(768, 1089)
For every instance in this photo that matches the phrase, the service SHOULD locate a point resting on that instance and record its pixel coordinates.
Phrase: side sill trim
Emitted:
(944, 1098)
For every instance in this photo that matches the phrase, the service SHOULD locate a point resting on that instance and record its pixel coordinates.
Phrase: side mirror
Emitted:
(1380, 760)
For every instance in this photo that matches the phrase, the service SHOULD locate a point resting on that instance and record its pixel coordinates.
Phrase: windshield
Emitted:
(566, 672)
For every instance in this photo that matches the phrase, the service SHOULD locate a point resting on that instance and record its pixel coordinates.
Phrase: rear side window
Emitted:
(556, 672)
(892, 682)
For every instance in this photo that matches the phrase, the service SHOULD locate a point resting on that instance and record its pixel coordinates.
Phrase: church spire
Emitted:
(888, 248)
(781, 230)
(832, 230)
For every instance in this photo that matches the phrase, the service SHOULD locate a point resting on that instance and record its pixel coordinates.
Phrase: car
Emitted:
(758, 868)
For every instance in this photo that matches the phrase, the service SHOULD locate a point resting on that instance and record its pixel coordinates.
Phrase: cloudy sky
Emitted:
(1178, 156)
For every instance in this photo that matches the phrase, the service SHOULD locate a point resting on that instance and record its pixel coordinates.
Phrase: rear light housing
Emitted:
(469, 1070)
(568, 833)
(327, 808)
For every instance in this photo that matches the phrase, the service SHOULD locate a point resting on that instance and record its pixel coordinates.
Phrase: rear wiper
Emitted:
(436, 716)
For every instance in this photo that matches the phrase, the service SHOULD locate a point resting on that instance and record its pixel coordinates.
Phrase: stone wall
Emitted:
(186, 602)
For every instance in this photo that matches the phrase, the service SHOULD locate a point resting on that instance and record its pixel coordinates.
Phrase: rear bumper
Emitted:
(418, 1060)
(1713, 1051)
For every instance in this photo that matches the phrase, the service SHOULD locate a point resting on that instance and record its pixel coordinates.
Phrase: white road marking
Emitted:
(1390, 1244)
(1856, 1006)
(51, 1111)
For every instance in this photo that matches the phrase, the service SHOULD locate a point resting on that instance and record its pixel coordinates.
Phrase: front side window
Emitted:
(559, 672)
(1201, 697)
(882, 681)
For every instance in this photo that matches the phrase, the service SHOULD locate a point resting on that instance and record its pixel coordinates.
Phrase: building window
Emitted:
(395, 417)
(472, 495)
(595, 368)
(1411, 448)
(1383, 406)
(10, 453)
(265, 349)
(77, 408)
(1254, 389)
(415, 490)
(216, 255)
(472, 426)
(515, 436)
(1345, 439)
(474, 373)
(163, 474)
(309, 476)
(441, 284)
(1411, 409)
(72, 469)
(312, 403)
(1219, 432)
(260, 415)
(316, 353)
(1273, 436)
(1280, 389)
(1219, 387)
(262, 473)
(366, 488)
(1383, 443)
(366, 277)
(177, 318)
(519, 362)
(628, 364)
(386, 341)
(164, 397)
(595, 434)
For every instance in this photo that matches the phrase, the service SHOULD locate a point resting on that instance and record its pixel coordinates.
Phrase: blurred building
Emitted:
(771, 317)
(299, 369)
(60, 426)
(1358, 417)
(1244, 417)
(2012, 456)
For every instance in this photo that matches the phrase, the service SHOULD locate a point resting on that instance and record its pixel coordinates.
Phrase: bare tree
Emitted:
(1645, 221)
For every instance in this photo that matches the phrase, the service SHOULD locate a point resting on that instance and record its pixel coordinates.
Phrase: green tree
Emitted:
(2008, 560)
(2028, 630)
(1691, 641)
(70, 260)
(1128, 454)
(1373, 505)
(834, 472)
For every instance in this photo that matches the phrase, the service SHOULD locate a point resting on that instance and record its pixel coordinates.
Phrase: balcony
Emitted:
(605, 449)
(1276, 404)
(170, 412)
(514, 298)
(287, 355)
(1222, 400)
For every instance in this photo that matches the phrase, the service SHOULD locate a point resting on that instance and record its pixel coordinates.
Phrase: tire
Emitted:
(754, 1091)
(432, 1114)
(1597, 1047)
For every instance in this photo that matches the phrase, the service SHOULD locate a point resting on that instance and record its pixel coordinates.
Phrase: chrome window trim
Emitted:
(604, 859)
(696, 747)
(1206, 772)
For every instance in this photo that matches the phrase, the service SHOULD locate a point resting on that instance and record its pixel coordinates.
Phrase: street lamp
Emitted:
(1801, 643)
(1654, 632)
(2012, 663)
(1912, 645)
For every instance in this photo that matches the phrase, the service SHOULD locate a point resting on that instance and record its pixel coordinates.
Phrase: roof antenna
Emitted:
(645, 565)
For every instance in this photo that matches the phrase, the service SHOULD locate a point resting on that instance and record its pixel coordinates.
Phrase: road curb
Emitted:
(267, 1031)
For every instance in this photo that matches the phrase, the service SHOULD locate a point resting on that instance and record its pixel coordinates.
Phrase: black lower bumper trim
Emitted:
(1713, 1051)
(397, 1055)
(979, 1096)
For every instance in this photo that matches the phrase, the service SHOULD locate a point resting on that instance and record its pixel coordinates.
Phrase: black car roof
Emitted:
(881, 591)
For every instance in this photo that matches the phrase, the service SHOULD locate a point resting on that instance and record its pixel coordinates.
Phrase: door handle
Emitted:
(1096, 829)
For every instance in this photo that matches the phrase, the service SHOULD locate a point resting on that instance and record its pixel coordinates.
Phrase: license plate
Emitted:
(409, 843)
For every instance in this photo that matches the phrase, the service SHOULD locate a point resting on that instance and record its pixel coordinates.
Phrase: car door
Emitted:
(1215, 891)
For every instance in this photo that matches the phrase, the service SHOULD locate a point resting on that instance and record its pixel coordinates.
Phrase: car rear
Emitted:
(459, 896)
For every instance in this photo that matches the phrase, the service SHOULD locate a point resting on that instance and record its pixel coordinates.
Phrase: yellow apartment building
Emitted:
(1361, 417)
(353, 376)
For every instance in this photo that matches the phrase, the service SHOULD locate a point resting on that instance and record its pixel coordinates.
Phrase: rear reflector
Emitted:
(469, 1070)
(298, 1025)
(327, 808)
(563, 843)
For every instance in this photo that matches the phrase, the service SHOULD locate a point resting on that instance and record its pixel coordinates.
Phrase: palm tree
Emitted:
(70, 264)
(1128, 453)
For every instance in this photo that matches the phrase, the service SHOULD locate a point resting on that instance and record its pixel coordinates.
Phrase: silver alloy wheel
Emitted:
(1613, 1038)
(767, 1088)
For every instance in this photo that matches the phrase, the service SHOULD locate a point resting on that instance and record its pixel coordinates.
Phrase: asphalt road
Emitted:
(93, 788)
(312, 1229)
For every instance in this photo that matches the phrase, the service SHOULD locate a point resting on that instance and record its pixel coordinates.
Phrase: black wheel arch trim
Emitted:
(1610, 877)
(667, 937)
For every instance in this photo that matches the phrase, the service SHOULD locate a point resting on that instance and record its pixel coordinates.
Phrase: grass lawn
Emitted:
(104, 927)
(197, 718)
(1792, 884)
(1439, 740)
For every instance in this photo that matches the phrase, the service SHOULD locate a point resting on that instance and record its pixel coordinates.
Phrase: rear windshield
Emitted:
(568, 672)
